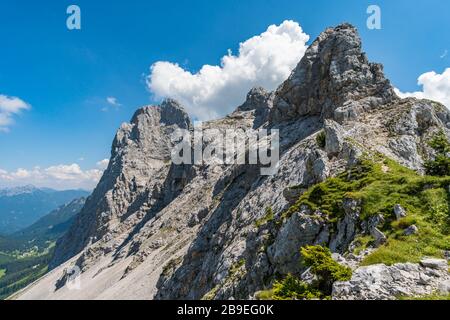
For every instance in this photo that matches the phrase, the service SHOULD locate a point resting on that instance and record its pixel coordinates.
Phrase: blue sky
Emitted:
(67, 76)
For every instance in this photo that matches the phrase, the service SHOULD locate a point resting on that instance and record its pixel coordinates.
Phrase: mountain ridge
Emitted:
(155, 230)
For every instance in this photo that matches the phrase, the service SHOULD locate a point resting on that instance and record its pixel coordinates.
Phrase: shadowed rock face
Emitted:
(154, 230)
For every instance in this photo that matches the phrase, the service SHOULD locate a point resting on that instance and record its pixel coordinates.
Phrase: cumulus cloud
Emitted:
(264, 60)
(59, 176)
(9, 107)
(435, 86)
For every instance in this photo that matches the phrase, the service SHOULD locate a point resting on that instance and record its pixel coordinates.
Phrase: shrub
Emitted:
(324, 267)
(440, 143)
(321, 139)
(291, 288)
(440, 165)
(269, 216)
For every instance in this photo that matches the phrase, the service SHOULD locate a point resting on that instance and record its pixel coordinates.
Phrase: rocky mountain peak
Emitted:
(259, 102)
(334, 79)
(141, 130)
(140, 160)
(256, 98)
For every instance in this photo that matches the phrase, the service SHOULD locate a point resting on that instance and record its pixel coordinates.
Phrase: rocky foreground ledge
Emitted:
(381, 282)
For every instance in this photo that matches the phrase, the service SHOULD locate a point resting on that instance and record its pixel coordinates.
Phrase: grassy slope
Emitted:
(431, 297)
(380, 184)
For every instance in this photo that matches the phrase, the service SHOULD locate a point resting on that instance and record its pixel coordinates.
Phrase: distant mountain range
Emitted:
(22, 206)
(50, 227)
(24, 255)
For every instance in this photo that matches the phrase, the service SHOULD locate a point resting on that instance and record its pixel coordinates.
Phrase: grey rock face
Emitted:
(259, 102)
(292, 194)
(299, 230)
(379, 236)
(347, 228)
(334, 138)
(444, 287)
(334, 79)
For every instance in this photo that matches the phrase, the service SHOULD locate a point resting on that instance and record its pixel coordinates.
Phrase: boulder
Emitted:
(379, 237)
(434, 263)
(411, 230)
(399, 212)
(334, 138)
(381, 282)
(444, 287)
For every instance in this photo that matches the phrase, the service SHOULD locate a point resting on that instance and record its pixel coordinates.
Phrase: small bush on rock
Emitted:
(292, 288)
(321, 139)
(324, 267)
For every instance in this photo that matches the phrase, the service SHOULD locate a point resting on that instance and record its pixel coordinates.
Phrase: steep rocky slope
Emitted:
(155, 230)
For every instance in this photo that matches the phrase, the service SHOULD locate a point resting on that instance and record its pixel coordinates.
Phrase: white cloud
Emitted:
(103, 164)
(10, 106)
(435, 87)
(113, 101)
(265, 60)
(59, 176)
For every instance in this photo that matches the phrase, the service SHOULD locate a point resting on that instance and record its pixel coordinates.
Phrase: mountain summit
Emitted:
(334, 79)
(156, 230)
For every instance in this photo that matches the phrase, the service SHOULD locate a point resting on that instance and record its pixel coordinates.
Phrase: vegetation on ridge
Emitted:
(440, 165)
(380, 184)
(322, 266)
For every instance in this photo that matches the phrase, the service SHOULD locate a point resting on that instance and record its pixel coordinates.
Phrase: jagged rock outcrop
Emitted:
(155, 230)
(334, 80)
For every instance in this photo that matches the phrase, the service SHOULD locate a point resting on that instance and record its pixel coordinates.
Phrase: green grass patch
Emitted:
(429, 297)
(269, 216)
(362, 243)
